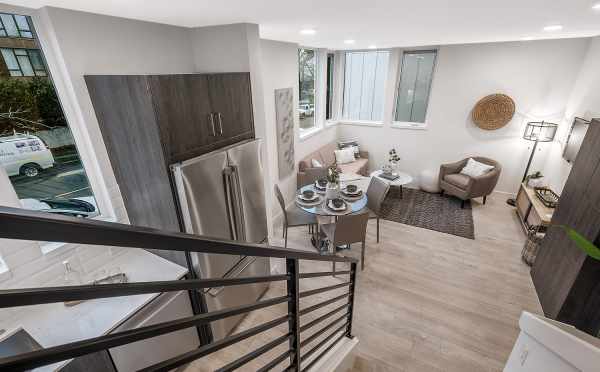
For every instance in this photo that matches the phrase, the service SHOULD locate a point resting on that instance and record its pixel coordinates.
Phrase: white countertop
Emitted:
(55, 324)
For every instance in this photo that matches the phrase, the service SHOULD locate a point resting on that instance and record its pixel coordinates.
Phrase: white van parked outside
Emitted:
(23, 154)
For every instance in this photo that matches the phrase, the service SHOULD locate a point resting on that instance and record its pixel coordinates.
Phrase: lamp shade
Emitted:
(540, 131)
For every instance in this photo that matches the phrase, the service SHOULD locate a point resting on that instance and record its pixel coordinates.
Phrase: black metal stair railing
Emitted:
(29, 225)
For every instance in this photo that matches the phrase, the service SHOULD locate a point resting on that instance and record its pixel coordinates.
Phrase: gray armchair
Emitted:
(464, 187)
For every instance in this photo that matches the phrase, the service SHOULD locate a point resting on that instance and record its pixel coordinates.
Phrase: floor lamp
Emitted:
(536, 131)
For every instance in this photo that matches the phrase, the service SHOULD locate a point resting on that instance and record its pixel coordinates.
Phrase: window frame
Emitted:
(19, 29)
(47, 43)
(370, 123)
(411, 124)
(305, 133)
(28, 52)
(329, 86)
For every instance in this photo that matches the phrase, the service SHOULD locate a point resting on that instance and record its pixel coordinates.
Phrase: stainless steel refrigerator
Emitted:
(221, 195)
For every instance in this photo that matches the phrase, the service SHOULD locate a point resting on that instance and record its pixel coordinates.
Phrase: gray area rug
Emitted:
(429, 211)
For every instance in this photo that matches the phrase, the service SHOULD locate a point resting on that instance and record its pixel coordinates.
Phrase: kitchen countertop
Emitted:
(55, 324)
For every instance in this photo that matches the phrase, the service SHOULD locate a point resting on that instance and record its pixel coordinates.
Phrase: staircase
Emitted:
(304, 319)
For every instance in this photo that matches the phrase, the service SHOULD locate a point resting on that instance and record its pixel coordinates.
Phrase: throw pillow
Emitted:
(316, 164)
(344, 156)
(354, 144)
(475, 168)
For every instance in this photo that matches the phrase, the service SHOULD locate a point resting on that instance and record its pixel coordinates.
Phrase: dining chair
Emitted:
(348, 229)
(376, 193)
(293, 216)
(313, 174)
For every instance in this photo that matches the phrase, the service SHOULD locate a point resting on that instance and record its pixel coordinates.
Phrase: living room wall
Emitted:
(538, 75)
(280, 70)
(584, 102)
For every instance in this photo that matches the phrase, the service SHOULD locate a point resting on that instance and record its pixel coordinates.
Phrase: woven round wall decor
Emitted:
(493, 112)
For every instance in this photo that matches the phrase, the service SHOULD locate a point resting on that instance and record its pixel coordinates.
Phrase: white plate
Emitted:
(341, 209)
(352, 194)
(315, 197)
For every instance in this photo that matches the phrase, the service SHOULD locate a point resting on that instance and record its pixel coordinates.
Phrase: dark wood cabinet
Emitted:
(183, 114)
(198, 113)
(566, 279)
(149, 122)
(229, 95)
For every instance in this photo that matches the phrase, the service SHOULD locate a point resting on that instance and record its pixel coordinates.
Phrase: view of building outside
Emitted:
(307, 69)
(37, 149)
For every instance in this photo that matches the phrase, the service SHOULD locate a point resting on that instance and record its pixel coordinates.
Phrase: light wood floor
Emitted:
(426, 301)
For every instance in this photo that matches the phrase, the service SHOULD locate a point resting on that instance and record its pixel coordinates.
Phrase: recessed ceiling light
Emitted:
(308, 31)
(553, 28)
(372, 46)
(349, 41)
(596, 5)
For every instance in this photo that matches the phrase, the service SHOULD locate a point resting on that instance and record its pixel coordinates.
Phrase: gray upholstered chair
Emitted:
(348, 229)
(293, 216)
(376, 193)
(464, 187)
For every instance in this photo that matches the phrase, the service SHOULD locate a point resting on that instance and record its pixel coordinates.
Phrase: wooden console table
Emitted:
(530, 209)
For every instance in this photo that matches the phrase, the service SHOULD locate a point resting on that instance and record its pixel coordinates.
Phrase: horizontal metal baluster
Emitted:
(190, 356)
(318, 357)
(324, 273)
(36, 296)
(323, 330)
(71, 350)
(323, 317)
(324, 289)
(322, 304)
(254, 354)
(272, 364)
(25, 224)
(323, 342)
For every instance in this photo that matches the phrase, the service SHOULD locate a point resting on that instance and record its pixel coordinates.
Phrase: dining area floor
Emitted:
(426, 301)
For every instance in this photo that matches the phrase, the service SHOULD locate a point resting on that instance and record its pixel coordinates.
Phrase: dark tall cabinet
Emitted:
(151, 121)
(566, 279)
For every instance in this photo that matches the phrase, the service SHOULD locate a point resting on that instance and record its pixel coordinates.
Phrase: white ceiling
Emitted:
(385, 23)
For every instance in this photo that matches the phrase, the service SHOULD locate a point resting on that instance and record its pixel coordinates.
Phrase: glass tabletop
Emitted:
(320, 209)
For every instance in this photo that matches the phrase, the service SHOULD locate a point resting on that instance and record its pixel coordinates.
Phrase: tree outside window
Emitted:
(307, 70)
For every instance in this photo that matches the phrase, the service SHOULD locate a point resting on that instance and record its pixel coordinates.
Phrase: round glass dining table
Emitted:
(355, 205)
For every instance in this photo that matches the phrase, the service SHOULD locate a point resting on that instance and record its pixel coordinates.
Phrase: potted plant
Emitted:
(393, 160)
(333, 182)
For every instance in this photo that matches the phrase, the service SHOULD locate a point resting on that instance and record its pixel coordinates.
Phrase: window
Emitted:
(307, 70)
(364, 84)
(329, 92)
(416, 75)
(37, 149)
(23, 62)
(15, 26)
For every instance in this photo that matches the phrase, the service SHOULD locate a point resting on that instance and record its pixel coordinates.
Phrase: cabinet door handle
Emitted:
(220, 117)
(212, 124)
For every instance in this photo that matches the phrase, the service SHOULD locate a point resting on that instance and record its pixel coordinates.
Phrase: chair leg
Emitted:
(462, 204)
(377, 229)
(484, 199)
(333, 268)
(362, 257)
(442, 193)
(283, 227)
(285, 237)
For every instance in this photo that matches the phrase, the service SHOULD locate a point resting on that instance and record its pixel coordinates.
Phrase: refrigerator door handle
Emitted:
(239, 210)
(220, 117)
(211, 118)
(229, 202)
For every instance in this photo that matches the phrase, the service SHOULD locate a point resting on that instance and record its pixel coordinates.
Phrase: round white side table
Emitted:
(403, 179)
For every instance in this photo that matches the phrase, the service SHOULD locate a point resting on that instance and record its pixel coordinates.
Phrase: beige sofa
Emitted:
(326, 156)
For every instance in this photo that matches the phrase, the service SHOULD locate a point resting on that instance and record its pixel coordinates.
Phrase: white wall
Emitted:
(538, 75)
(584, 102)
(280, 70)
